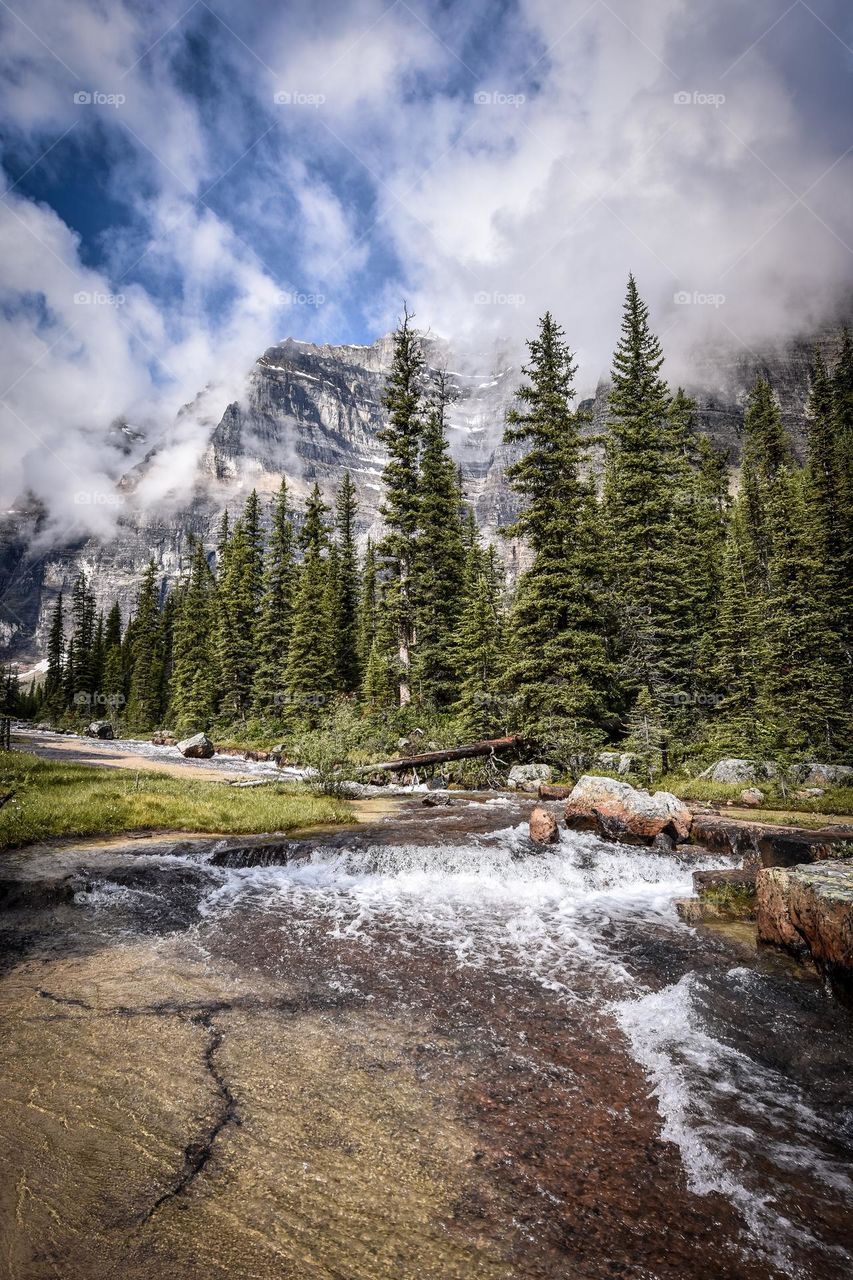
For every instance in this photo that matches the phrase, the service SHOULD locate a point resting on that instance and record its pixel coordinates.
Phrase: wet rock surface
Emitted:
(412, 1050)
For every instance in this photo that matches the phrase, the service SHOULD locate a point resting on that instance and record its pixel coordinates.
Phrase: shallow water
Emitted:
(419, 1049)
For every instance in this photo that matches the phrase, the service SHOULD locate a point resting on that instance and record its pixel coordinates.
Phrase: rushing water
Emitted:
(417, 1050)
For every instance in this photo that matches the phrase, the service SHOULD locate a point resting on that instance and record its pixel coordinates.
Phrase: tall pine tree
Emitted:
(439, 558)
(402, 438)
(557, 662)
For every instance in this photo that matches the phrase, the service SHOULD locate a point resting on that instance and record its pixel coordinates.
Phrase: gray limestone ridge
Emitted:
(312, 412)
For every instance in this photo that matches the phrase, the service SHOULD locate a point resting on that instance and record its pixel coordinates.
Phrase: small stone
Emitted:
(752, 797)
(543, 827)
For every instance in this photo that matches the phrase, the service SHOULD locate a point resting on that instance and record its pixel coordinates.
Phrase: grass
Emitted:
(55, 799)
(776, 807)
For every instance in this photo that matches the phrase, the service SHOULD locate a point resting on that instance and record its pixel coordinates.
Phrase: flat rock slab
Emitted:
(767, 844)
(737, 878)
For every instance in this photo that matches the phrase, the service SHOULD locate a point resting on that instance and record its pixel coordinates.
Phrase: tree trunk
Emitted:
(485, 748)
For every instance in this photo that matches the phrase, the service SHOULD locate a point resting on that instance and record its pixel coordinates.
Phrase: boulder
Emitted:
(620, 812)
(199, 747)
(809, 793)
(752, 797)
(734, 770)
(527, 777)
(814, 774)
(616, 761)
(100, 729)
(543, 826)
(811, 906)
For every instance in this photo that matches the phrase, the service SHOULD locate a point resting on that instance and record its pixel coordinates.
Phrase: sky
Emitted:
(183, 184)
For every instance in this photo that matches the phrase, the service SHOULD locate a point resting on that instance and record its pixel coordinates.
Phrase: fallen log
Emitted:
(487, 747)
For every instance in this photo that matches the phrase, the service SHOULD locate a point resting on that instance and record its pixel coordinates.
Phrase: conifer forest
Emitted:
(670, 604)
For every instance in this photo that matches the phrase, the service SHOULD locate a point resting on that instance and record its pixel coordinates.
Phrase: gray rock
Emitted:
(815, 774)
(199, 747)
(734, 770)
(100, 729)
(616, 761)
(663, 843)
(527, 777)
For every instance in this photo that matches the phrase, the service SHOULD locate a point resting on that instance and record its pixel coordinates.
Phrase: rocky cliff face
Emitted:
(311, 412)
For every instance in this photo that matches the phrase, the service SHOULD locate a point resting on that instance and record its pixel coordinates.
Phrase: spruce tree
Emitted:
(348, 664)
(740, 654)
(308, 675)
(439, 558)
(240, 586)
(144, 703)
(53, 701)
(83, 633)
(765, 451)
(112, 680)
(829, 495)
(697, 533)
(274, 619)
(193, 688)
(557, 663)
(640, 468)
(367, 607)
(402, 439)
(803, 701)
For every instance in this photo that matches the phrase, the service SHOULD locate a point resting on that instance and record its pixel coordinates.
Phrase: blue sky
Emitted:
(186, 183)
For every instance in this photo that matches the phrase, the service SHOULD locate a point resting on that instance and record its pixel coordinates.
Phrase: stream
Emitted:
(418, 1048)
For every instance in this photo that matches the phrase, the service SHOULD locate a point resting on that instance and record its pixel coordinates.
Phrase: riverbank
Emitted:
(50, 798)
